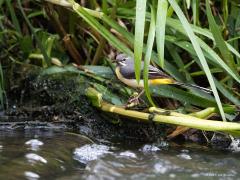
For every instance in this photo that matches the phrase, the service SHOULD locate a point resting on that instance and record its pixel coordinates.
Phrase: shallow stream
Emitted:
(53, 154)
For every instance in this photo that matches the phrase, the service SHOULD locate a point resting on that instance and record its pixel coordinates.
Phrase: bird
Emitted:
(125, 73)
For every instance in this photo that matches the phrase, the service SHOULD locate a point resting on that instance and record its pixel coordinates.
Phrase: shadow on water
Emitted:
(52, 154)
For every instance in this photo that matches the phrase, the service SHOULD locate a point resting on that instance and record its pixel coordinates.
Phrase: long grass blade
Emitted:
(205, 32)
(195, 7)
(176, 25)
(178, 60)
(188, 3)
(162, 9)
(226, 93)
(139, 35)
(215, 57)
(129, 37)
(183, 96)
(147, 58)
(170, 10)
(41, 47)
(225, 10)
(14, 17)
(189, 48)
(199, 52)
(220, 43)
(101, 29)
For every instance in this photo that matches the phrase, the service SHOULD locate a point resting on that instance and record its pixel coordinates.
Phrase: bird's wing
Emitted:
(153, 73)
(156, 73)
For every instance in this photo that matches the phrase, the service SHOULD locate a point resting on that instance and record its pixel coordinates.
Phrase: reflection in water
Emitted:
(38, 154)
(31, 175)
(34, 158)
(57, 155)
(128, 154)
(34, 144)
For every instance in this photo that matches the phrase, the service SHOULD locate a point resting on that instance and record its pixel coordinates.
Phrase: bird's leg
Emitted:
(134, 100)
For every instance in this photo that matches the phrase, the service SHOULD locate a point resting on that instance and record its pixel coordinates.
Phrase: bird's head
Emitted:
(122, 59)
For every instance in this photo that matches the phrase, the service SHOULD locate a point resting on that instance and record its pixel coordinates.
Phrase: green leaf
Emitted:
(1, 2)
(220, 43)
(175, 24)
(199, 52)
(139, 35)
(188, 2)
(183, 96)
(162, 9)
(178, 60)
(41, 47)
(170, 10)
(208, 52)
(195, 7)
(226, 93)
(225, 10)
(26, 44)
(130, 38)
(151, 35)
(101, 29)
(188, 98)
(108, 96)
(14, 16)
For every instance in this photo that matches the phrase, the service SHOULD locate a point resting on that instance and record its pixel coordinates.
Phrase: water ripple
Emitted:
(149, 148)
(34, 144)
(90, 152)
(34, 158)
(128, 154)
(31, 175)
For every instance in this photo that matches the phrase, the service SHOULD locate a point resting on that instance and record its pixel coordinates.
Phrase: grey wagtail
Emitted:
(125, 73)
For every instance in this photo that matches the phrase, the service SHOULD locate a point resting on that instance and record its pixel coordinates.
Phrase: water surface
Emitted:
(51, 154)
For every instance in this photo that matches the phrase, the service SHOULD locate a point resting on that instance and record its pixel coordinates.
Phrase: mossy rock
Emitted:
(58, 95)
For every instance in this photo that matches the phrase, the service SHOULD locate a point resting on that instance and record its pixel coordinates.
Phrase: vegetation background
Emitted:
(195, 41)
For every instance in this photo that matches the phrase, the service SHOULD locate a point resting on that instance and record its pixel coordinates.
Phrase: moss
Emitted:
(60, 98)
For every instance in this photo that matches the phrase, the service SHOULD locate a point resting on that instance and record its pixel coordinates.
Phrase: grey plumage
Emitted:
(126, 64)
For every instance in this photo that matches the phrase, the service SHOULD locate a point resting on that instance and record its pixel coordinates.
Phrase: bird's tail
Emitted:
(194, 86)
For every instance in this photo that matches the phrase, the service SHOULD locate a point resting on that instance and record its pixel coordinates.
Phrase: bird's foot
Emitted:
(135, 102)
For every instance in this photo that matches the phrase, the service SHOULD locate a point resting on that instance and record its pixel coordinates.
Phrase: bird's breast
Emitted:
(130, 82)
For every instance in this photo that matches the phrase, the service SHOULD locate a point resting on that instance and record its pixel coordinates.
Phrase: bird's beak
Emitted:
(118, 62)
